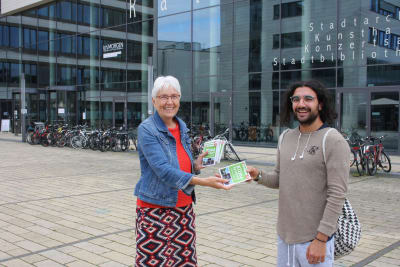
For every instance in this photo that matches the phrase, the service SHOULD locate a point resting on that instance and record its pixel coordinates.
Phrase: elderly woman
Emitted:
(165, 228)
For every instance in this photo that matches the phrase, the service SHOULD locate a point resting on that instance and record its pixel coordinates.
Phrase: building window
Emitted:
(64, 10)
(288, 10)
(4, 36)
(14, 37)
(88, 15)
(43, 12)
(43, 45)
(288, 40)
(14, 73)
(30, 39)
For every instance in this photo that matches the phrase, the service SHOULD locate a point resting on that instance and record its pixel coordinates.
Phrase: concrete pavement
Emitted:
(66, 207)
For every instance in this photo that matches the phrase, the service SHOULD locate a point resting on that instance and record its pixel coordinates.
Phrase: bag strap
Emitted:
(323, 143)
(281, 138)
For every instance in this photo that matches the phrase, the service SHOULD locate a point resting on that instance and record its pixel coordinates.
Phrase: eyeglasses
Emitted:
(164, 98)
(307, 99)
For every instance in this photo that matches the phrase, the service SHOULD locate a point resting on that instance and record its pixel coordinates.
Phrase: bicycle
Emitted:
(359, 159)
(377, 156)
(198, 140)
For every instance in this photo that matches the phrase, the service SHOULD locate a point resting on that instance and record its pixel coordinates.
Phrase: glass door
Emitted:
(220, 113)
(119, 113)
(385, 117)
(354, 107)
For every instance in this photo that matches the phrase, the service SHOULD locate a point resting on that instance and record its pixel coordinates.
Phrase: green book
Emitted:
(235, 173)
(210, 158)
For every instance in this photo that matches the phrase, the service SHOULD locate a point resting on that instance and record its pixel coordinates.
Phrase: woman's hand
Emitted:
(198, 163)
(212, 181)
(253, 171)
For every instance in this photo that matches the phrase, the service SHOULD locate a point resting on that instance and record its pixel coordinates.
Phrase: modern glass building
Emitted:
(94, 61)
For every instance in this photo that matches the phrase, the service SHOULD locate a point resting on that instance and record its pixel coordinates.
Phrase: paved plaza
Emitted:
(66, 207)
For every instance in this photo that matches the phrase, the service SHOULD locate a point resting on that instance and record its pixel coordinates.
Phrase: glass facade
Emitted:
(94, 61)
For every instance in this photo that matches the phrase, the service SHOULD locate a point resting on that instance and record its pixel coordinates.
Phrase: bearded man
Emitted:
(311, 173)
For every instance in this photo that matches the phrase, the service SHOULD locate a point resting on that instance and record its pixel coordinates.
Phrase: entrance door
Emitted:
(370, 111)
(221, 113)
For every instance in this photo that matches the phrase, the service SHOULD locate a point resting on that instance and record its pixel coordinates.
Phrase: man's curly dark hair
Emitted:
(327, 113)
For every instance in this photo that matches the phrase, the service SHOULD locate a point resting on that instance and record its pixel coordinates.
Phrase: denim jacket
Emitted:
(161, 177)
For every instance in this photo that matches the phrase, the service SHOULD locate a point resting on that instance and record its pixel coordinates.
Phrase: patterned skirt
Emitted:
(165, 237)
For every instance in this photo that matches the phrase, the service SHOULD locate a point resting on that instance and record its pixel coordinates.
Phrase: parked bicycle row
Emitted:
(81, 136)
(368, 154)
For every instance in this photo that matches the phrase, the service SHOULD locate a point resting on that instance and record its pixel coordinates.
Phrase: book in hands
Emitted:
(235, 173)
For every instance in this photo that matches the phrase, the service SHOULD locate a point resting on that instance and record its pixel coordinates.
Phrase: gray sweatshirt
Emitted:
(311, 193)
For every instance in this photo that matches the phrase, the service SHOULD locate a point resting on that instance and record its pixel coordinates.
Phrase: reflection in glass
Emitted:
(174, 46)
(385, 117)
(212, 44)
(327, 77)
(168, 7)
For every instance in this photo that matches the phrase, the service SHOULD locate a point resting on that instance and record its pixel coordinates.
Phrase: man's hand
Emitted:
(198, 163)
(316, 252)
(253, 171)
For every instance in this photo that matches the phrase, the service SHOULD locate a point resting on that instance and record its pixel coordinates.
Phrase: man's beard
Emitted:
(309, 120)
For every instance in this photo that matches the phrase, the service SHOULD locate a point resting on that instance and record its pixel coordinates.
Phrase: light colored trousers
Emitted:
(294, 255)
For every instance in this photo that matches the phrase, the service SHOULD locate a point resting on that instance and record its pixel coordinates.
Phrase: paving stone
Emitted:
(33, 258)
(28, 245)
(119, 257)
(58, 256)
(89, 257)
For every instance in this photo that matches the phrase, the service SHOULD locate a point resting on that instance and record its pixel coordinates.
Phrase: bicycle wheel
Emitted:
(360, 163)
(43, 140)
(29, 138)
(134, 142)
(384, 162)
(105, 144)
(76, 142)
(50, 139)
(115, 144)
(353, 157)
(124, 143)
(371, 164)
(230, 153)
(61, 141)
(35, 139)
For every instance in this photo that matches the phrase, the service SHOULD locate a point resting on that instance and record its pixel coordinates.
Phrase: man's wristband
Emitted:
(258, 176)
(320, 240)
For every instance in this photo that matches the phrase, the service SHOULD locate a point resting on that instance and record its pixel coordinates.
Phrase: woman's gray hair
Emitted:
(164, 82)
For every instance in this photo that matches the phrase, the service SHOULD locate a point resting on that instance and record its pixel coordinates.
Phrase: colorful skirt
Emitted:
(165, 237)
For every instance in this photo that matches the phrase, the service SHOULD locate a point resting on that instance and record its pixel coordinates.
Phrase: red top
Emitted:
(184, 164)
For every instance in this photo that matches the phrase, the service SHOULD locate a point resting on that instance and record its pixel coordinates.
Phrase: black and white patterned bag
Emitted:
(348, 233)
